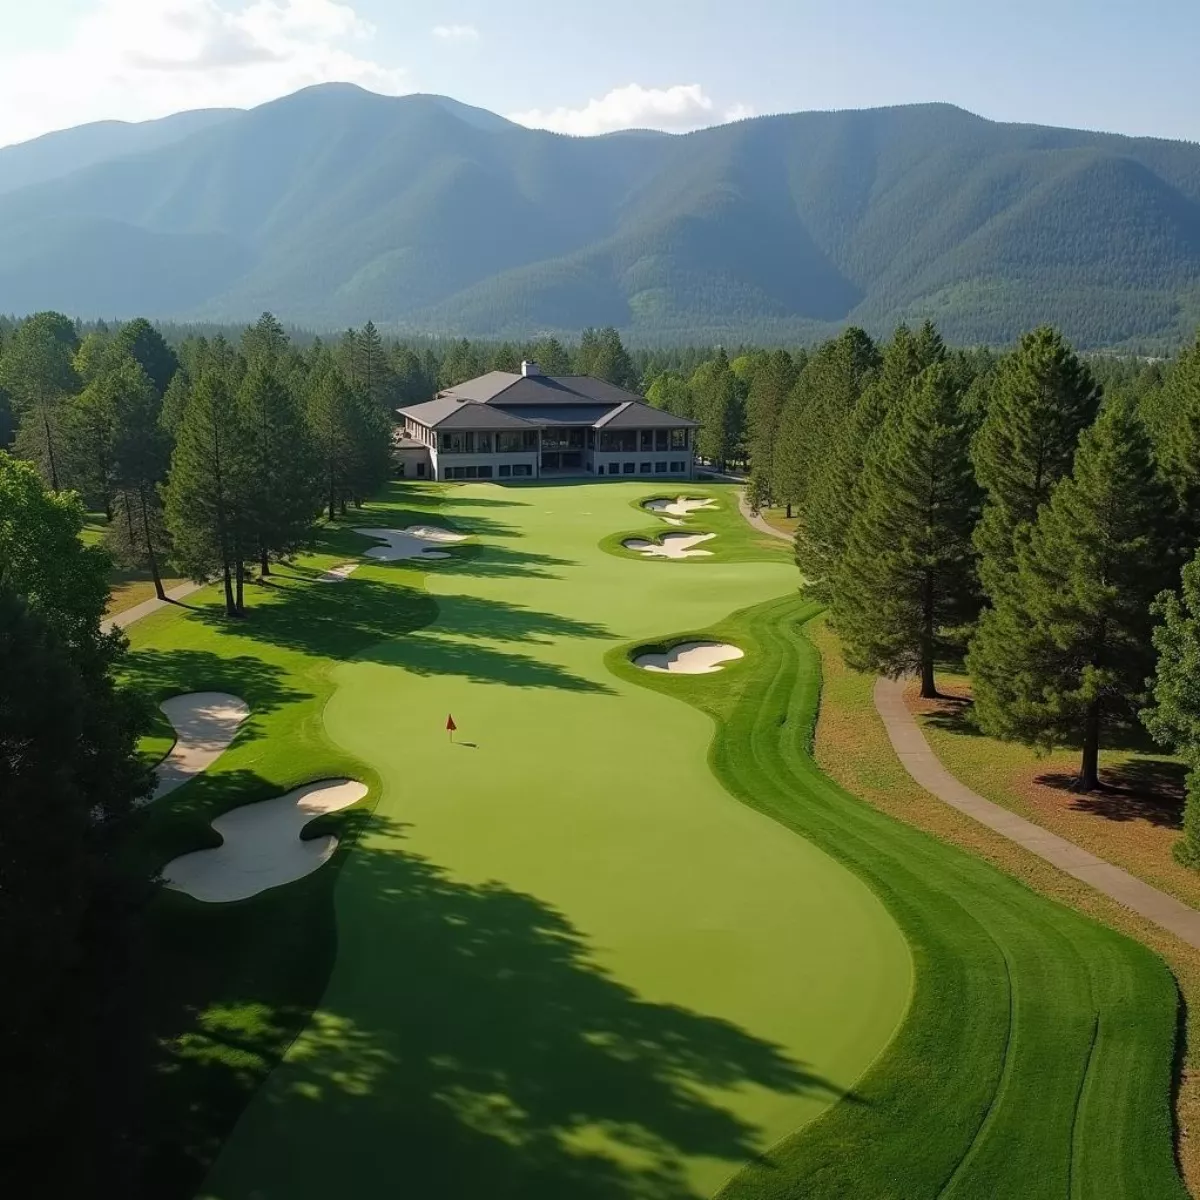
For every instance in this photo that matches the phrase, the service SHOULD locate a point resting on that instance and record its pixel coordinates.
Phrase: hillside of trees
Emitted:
(336, 206)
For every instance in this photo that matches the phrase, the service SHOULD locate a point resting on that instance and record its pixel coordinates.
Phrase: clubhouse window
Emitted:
(647, 440)
(522, 469)
(660, 468)
(468, 472)
(509, 443)
(662, 439)
(620, 440)
(455, 443)
(677, 468)
(483, 443)
(505, 471)
(629, 468)
(679, 439)
(646, 468)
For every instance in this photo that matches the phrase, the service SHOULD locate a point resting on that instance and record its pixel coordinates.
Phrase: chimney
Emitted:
(529, 367)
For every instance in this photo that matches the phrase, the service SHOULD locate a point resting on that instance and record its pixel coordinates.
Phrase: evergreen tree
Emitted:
(1064, 653)
(504, 358)
(1174, 718)
(834, 493)
(175, 401)
(332, 414)
(1040, 400)
(603, 356)
(282, 488)
(38, 371)
(141, 454)
(205, 490)
(265, 343)
(551, 355)
(145, 345)
(88, 423)
(719, 409)
(372, 372)
(770, 387)
(412, 384)
(907, 579)
(1178, 445)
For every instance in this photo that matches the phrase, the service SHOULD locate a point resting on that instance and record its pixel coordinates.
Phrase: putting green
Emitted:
(569, 963)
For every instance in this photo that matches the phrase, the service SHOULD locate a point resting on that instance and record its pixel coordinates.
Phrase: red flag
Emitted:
(450, 725)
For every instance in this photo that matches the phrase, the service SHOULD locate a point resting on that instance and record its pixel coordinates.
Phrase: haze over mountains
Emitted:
(335, 205)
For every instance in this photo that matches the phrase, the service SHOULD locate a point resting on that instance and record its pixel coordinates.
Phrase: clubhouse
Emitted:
(508, 426)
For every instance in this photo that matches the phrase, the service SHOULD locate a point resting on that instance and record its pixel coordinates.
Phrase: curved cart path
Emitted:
(926, 768)
(758, 522)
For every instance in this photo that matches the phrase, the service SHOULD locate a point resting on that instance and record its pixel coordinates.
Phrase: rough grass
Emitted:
(852, 746)
(127, 586)
(1036, 1059)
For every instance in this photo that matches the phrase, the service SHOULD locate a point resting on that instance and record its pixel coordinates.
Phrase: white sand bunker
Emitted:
(417, 541)
(681, 506)
(262, 846)
(670, 545)
(338, 574)
(690, 658)
(205, 724)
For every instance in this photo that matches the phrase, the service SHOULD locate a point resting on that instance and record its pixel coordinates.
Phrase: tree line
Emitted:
(213, 456)
(1014, 509)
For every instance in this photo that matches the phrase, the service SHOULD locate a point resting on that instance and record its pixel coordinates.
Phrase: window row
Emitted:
(644, 440)
(470, 442)
(505, 471)
(657, 468)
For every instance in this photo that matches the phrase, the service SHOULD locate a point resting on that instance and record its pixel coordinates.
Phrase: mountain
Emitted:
(334, 205)
(54, 155)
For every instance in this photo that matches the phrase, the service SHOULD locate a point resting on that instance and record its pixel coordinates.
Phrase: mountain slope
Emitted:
(56, 154)
(335, 205)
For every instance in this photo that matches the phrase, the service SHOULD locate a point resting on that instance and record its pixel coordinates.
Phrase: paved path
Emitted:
(758, 522)
(123, 619)
(926, 768)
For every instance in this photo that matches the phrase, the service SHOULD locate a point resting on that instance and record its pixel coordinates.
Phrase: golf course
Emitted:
(613, 935)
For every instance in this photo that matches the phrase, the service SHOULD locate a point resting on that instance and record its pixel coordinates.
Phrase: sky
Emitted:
(586, 67)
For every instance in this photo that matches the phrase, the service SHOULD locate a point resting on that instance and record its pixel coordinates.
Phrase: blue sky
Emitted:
(589, 67)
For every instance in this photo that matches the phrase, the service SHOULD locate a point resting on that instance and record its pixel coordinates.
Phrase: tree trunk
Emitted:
(789, 510)
(1089, 767)
(50, 451)
(240, 575)
(264, 563)
(151, 557)
(928, 685)
(230, 610)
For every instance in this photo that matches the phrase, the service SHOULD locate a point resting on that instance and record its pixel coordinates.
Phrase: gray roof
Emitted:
(503, 400)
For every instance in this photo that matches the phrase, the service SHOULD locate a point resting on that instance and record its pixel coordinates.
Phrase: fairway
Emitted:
(569, 963)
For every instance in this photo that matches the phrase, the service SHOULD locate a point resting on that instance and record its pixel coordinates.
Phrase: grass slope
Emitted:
(1036, 1057)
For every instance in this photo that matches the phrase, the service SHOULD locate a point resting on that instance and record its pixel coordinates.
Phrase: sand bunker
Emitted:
(339, 574)
(262, 847)
(690, 658)
(417, 541)
(670, 545)
(205, 724)
(681, 506)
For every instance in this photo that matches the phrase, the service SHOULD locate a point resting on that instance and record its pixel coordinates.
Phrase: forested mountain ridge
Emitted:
(336, 205)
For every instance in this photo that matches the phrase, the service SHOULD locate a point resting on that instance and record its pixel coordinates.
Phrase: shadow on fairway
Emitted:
(483, 1053)
(403, 626)
(499, 562)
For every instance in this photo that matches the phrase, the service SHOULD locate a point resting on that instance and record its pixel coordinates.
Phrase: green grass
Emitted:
(543, 972)
(735, 540)
(1036, 1058)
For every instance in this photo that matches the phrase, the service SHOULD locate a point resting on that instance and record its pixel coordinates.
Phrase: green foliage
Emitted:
(1040, 400)
(1063, 656)
(1178, 442)
(146, 346)
(1174, 717)
(38, 372)
(770, 386)
(601, 354)
(719, 407)
(671, 392)
(906, 580)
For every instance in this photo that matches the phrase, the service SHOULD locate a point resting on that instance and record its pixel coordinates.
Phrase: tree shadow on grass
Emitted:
(162, 673)
(477, 1049)
(1152, 790)
(382, 622)
(499, 562)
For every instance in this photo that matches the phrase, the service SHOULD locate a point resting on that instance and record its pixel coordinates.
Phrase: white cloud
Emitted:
(135, 59)
(674, 109)
(456, 33)
(740, 112)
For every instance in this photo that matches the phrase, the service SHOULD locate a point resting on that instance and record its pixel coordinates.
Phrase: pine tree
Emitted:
(670, 392)
(769, 389)
(175, 401)
(551, 355)
(833, 495)
(1174, 718)
(38, 371)
(372, 372)
(282, 492)
(1040, 400)
(602, 355)
(205, 491)
(1178, 444)
(88, 425)
(719, 409)
(907, 581)
(330, 413)
(265, 343)
(1065, 652)
(145, 345)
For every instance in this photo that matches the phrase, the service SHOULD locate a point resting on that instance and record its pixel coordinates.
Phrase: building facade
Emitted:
(504, 426)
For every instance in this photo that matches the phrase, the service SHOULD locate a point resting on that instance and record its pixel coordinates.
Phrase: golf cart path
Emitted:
(926, 768)
(123, 619)
(758, 522)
